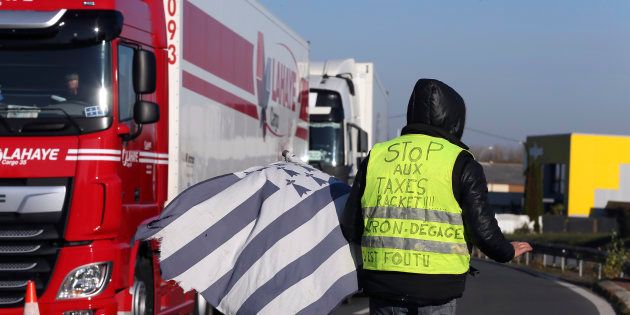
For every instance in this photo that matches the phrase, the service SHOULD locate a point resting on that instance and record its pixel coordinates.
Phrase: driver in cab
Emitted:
(72, 85)
(72, 91)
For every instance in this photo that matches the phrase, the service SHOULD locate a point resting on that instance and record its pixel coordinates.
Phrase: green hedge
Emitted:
(573, 239)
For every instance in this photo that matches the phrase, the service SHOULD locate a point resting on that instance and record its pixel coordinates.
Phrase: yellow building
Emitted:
(577, 174)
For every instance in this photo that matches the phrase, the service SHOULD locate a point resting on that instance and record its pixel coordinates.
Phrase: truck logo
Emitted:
(21, 156)
(275, 82)
(261, 82)
(3, 198)
(130, 157)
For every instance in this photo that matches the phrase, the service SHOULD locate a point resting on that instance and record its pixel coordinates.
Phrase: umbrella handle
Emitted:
(289, 156)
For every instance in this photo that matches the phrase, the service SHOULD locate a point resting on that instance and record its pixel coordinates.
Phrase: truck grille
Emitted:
(20, 234)
(18, 284)
(17, 266)
(29, 240)
(10, 301)
(19, 249)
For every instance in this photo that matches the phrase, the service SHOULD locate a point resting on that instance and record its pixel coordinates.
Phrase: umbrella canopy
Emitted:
(265, 240)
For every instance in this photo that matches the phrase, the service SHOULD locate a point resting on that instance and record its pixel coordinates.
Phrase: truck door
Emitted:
(138, 167)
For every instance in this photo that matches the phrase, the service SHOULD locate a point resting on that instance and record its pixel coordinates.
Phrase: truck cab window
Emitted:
(65, 82)
(126, 94)
(350, 145)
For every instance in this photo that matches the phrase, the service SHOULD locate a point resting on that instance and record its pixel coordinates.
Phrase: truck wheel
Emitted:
(142, 291)
(202, 307)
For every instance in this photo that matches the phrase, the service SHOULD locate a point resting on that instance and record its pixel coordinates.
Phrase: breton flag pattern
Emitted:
(263, 241)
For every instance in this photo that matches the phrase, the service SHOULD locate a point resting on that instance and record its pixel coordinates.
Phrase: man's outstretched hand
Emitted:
(521, 248)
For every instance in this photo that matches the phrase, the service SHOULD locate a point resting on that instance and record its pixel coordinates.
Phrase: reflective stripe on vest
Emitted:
(412, 221)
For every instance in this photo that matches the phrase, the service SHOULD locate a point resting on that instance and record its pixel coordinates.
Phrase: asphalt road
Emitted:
(503, 290)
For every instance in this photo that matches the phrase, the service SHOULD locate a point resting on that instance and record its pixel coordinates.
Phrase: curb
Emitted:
(616, 295)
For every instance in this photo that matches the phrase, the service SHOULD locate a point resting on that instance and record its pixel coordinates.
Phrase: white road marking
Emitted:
(602, 306)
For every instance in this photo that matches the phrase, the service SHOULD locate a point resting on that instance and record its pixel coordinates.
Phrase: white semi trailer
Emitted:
(348, 114)
(237, 94)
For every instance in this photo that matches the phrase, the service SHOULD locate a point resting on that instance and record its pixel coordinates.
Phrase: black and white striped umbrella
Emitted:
(265, 240)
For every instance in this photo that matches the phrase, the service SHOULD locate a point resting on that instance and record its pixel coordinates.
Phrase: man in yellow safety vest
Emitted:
(418, 204)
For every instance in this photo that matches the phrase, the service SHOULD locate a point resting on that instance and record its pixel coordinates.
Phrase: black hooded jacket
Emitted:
(434, 109)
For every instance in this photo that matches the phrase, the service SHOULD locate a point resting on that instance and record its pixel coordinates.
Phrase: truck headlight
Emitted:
(85, 281)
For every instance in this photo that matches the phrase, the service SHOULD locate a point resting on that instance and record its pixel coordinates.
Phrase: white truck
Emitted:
(348, 109)
(237, 94)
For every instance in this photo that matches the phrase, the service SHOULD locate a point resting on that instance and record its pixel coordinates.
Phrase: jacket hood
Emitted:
(436, 104)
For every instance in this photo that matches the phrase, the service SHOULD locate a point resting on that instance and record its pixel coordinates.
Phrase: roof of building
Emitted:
(504, 173)
(568, 135)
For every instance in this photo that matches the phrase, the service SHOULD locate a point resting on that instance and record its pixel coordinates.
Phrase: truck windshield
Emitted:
(326, 143)
(64, 82)
(326, 98)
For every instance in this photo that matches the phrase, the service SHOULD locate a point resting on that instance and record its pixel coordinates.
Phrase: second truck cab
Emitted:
(348, 114)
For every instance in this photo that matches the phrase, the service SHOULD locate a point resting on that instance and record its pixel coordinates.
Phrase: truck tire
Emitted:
(204, 308)
(142, 295)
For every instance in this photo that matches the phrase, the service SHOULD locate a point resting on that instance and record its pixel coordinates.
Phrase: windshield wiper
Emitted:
(58, 98)
(38, 121)
(70, 118)
(6, 124)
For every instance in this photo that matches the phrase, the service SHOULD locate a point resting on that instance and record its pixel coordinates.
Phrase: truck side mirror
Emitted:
(362, 141)
(144, 72)
(350, 86)
(348, 78)
(145, 112)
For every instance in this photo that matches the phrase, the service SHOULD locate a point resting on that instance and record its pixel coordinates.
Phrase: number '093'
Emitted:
(172, 30)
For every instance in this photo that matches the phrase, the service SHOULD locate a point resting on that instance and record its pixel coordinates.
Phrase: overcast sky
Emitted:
(523, 67)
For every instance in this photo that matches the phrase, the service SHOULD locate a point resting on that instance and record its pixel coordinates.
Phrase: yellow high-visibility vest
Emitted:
(412, 221)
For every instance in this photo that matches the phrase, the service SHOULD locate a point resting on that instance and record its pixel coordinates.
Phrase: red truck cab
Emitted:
(83, 155)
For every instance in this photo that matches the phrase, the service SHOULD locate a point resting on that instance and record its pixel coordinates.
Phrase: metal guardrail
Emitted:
(567, 251)
(579, 254)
